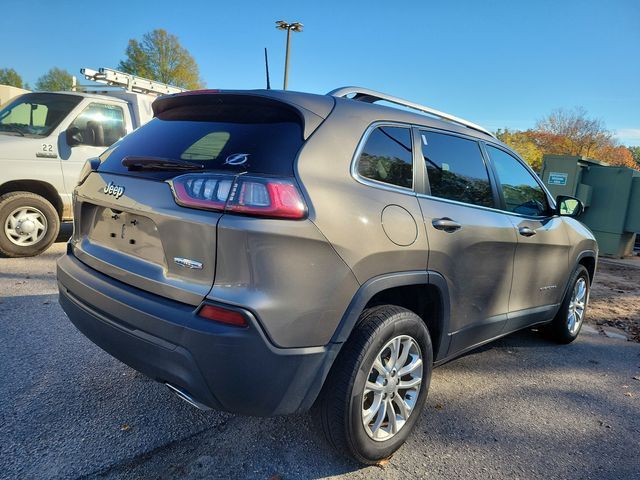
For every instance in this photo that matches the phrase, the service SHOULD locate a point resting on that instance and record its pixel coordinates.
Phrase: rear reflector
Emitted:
(245, 194)
(222, 315)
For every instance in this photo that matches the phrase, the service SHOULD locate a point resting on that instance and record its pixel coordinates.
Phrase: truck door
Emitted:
(96, 127)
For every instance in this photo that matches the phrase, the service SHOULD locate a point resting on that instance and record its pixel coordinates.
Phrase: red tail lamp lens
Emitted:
(202, 191)
(246, 194)
(222, 315)
(267, 198)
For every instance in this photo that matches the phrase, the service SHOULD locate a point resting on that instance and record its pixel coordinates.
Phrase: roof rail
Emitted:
(371, 96)
(131, 83)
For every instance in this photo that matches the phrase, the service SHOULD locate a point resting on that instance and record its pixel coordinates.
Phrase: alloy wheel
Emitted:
(392, 388)
(577, 305)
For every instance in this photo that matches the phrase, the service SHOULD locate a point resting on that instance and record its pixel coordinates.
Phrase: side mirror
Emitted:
(74, 136)
(569, 206)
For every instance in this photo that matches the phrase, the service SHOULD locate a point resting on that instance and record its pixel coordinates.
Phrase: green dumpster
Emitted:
(611, 195)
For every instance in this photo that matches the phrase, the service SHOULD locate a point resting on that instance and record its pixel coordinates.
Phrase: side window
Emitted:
(387, 157)
(522, 193)
(99, 125)
(456, 169)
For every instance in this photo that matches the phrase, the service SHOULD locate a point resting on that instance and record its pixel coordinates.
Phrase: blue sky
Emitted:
(499, 63)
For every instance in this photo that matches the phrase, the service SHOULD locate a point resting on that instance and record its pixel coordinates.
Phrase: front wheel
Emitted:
(377, 388)
(567, 323)
(29, 224)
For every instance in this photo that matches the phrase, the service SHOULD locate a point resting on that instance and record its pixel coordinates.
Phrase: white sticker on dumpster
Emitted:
(556, 178)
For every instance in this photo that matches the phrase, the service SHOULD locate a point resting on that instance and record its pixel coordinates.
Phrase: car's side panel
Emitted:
(350, 214)
(287, 274)
(581, 240)
(541, 265)
(477, 263)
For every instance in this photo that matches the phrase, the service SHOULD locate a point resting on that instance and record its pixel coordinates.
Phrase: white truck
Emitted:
(45, 139)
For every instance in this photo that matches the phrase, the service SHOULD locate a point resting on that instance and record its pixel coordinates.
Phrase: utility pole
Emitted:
(289, 27)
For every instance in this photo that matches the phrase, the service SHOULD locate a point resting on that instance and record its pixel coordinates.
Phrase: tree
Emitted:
(159, 56)
(635, 153)
(522, 143)
(616, 155)
(8, 76)
(568, 132)
(571, 132)
(55, 80)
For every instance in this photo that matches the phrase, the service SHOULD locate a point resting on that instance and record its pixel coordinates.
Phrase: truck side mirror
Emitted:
(74, 136)
(569, 206)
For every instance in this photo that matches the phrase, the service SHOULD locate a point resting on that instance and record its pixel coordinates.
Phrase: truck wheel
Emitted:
(377, 388)
(29, 224)
(566, 325)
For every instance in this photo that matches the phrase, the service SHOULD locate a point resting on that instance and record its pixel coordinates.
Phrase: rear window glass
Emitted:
(252, 139)
(386, 157)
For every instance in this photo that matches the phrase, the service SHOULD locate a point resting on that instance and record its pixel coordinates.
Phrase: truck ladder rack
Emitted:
(371, 96)
(131, 83)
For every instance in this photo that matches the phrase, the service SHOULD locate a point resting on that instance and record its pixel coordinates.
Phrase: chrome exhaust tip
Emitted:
(187, 398)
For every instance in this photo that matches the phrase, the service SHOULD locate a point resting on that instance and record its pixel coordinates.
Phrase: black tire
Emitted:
(559, 329)
(338, 410)
(14, 200)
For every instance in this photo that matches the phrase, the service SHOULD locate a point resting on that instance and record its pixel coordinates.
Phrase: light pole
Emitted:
(289, 27)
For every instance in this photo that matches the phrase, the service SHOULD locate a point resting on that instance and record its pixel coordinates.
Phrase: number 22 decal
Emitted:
(47, 147)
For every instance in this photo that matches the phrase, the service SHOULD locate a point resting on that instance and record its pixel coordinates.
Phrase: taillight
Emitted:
(246, 194)
(266, 197)
(202, 191)
(223, 315)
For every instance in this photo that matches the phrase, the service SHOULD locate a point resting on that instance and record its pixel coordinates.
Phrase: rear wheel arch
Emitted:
(44, 189)
(422, 292)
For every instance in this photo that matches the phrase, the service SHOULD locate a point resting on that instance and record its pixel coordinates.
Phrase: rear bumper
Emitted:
(227, 368)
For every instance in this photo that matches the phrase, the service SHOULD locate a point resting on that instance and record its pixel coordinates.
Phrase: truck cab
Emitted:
(45, 138)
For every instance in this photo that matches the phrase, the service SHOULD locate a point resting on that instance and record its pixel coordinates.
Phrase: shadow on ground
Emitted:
(519, 407)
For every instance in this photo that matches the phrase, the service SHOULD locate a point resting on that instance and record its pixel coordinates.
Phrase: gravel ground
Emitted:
(615, 297)
(518, 408)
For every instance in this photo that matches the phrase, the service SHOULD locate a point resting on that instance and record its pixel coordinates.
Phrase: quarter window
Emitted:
(99, 125)
(456, 169)
(522, 193)
(387, 157)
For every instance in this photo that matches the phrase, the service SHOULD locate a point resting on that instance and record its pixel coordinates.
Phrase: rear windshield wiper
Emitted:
(158, 163)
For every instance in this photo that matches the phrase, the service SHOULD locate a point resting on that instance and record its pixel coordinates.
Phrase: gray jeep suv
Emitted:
(265, 252)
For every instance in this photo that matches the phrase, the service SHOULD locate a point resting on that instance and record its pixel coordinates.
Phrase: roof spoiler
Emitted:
(310, 119)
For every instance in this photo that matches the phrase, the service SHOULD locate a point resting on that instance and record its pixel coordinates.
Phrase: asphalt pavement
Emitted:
(519, 408)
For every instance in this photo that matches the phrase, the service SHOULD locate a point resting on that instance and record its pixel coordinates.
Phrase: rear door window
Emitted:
(521, 192)
(456, 169)
(387, 157)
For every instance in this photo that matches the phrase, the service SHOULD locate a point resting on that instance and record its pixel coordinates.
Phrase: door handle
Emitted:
(446, 224)
(526, 231)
